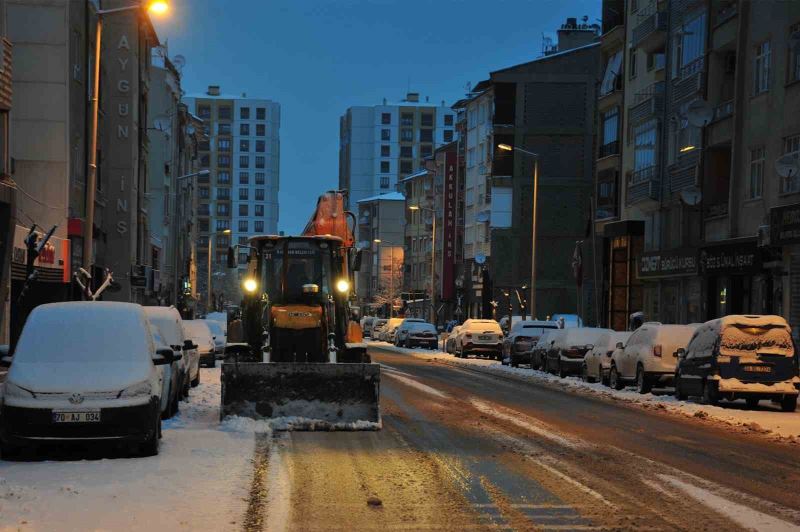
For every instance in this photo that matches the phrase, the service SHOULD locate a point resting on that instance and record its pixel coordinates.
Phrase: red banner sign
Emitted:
(449, 231)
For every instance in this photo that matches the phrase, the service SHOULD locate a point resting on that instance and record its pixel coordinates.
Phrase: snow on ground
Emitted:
(200, 479)
(767, 419)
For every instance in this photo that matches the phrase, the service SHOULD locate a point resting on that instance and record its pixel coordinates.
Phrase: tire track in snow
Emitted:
(399, 376)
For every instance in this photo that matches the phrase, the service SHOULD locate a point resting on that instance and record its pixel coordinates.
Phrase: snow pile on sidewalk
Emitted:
(200, 480)
(767, 419)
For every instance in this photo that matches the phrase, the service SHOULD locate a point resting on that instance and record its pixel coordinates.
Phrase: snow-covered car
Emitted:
(479, 336)
(597, 362)
(570, 345)
(169, 323)
(518, 345)
(450, 341)
(541, 347)
(740, 357)
(219, 337)
(402, 330)
(170, 378)
(377, 326)
(83, 371)
(201, 335)
(417, 334)
(221, 318)
(388, 331)
(366, 325)
(649, 356)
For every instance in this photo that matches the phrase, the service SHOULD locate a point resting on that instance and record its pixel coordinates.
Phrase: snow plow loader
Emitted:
(303, 360)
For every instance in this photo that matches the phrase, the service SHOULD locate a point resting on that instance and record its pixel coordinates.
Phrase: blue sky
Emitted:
(319, 57)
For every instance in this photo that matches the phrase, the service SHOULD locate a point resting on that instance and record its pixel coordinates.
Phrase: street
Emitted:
(459, 449)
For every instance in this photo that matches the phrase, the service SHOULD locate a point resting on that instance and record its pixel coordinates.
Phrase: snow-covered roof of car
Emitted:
(579, 336)
(748, 320)
(197, 328)
(533, 324)
(609, 339)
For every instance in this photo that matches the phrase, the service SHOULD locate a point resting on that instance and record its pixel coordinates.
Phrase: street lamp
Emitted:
(157, 7)
(391, 271)
(433, 256)
(208, 288)
(535, 176)
(175, 222)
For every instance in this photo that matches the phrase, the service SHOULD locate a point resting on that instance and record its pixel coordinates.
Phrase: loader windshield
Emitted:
(303, 263)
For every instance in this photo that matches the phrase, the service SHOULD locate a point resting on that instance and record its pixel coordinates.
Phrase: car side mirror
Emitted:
(356, 266)
(679, 353)
(188, 345)
(620, 346)
(231, 258)
(6, 361)
(163, 356)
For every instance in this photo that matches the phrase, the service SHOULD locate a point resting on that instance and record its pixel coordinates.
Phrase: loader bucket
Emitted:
(303, 396)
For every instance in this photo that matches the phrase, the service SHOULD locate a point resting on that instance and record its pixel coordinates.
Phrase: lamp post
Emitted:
(433, 257)
(391, 271)
(208, 288)
(176, 216)
(154, 6)
(535, 176)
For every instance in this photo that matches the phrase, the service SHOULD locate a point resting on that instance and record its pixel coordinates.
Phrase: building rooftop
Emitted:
(389, 196)
(418, 173)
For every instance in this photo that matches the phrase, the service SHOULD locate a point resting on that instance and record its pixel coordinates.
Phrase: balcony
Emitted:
(690, 81)
(606, 150)
(647, 104)
(651, 32)
(643, 185)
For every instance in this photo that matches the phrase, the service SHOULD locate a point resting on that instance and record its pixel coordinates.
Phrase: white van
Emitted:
(169, 323)
(200, 333)
(219, 337)
(83, 371)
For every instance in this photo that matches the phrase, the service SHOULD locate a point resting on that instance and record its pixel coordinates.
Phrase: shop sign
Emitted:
(449, 230)
(51, 256)
(785, 225)
(731, 258)
(668, 263)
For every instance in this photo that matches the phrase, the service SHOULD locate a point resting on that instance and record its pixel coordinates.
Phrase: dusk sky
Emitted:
(319, 57)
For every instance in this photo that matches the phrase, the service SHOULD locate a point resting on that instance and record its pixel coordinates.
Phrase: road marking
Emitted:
(742, 515)
(586, 489)
(278, 504)
(386, 367)
(538, 428)
(416, 384)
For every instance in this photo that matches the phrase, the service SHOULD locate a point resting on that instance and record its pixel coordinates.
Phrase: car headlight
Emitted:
(140, 389)
(12, 390)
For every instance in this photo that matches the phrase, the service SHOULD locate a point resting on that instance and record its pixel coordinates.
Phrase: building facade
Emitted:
(240, 197)
(7, 189)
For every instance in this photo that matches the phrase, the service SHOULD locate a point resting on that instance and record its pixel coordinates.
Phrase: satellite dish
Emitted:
(480, 258)
(482, 217)
(787, 166)
(691, 196)
(179, 61)
(699, 113)
(162, 123)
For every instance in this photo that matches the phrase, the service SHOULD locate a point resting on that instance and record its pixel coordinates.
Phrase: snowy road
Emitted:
(460, 449)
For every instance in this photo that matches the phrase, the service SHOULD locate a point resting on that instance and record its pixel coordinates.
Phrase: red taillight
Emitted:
(657, 350)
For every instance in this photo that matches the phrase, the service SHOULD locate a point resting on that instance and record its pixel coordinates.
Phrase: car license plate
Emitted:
(484, 337)
(76, 417)
(757, 369)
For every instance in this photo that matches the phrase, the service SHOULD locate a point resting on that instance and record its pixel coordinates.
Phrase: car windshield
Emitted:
(308, 262)
(422, 327)
(484, 325)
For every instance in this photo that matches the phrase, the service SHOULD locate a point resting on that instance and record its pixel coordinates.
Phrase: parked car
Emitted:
(221, 318)
(450, 341)
(81, 372)
(566, 321)
(170, 378)
(200, 334)
(740, 357)
(569, 347)
(541, 347)
(388, 330)
(417, 333)
(404, 328)
(366, 326)
(597, 362)
(649, 356)
(518, 345)
(219, 337)
(479, 336)
(377, 326)
(169, 323)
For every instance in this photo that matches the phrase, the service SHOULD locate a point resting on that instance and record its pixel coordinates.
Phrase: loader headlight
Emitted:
(250, 285)
(343, 285)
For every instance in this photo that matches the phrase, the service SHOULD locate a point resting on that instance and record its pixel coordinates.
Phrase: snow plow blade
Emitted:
(303, 396)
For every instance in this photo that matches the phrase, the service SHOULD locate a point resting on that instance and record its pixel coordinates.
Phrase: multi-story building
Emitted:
(240, 197)
(380, 224)
(381, 144)
(545, 106)
(418, 221)
(449, 211)
(7, 190)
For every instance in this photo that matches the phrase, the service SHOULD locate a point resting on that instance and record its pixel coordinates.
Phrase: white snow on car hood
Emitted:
(53, 377)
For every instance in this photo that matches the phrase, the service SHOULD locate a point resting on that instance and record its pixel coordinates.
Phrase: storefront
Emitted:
(624, 297)
(671, 287)
(785, 239)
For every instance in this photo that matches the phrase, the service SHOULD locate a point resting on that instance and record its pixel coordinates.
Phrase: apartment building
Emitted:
(239, 199)
(418, 189)
(7, 189)
(381, 144)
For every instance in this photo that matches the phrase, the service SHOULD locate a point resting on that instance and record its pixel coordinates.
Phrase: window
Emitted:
(224, 112)
(244, 145)
(203, 145)
(259, 194)
(204, 111)
(259, 178)
(224, 129)
(203, 192)
(222, 209)
(203, 224)
(224, 144)
(407, 134)
(407, 119)
(761, 72)
(223, 193)
(448, 120)
(224, 161)
(791, 146)
(612, 76)
(223, 241)
(259, 210)
(243, 193)
(471, 157)
(386, 150)
(386, 118)
(223, 178)
(202, 209)
(260, 161)
(260, 146)
(261, 113)
(384, 181)
(260, 130)
(259, 226)
(385, 135)
(244, 113)
(385, 167)
(405, 151)
(426, 135)
(644, 152)
(794, 56)
(425, 150)
(243, 209)
(244, 129)
(656, 61)
(427, 119)
(632, 63)
(244, 226)
(244, 161)
(689, 47)
(448, 135)
(205, 160)
(610, 141)
(756, 183)
(242, 240)
(244, 178)
(406, 167)
(242, 257)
